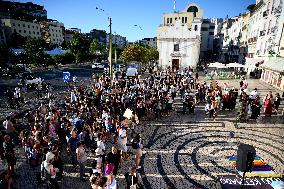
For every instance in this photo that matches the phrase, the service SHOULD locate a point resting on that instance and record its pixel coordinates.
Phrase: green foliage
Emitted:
(251, 7)
(79, 46)
(133, 52)
(17, 41)
(94, 47)
(66, 58)
(5, 54)
(151, 55)
(33, 51)
(139, 53)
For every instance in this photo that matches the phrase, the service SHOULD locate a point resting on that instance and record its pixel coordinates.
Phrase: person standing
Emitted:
(114, 157)
(137, 146)
(268, 106)
(10, 129)
(81, 158)
(9, 154)
(277, 102)
(51, 170)
(72, 146)
(122, 141)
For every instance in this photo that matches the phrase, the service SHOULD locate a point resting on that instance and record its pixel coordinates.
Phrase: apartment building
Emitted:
(151, 42)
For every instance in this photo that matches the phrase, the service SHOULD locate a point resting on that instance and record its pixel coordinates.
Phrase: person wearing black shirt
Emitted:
(114, 157)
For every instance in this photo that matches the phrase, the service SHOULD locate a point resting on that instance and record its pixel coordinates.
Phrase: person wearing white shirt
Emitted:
(122, 141)
(253, 94)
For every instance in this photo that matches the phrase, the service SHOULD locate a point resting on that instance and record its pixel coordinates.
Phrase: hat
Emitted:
(49, 156)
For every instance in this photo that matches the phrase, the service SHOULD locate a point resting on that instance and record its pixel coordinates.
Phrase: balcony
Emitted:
(262, 33)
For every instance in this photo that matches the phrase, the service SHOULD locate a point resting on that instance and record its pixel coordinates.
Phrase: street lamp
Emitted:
(110, 46)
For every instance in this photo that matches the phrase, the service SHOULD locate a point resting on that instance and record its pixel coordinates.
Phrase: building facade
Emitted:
(185, 16)
(118, 40)
(207, 39)
(23, 28)
(55, 32)
(22, 11)
(179, 38)
(99, 35)
(68, 33)
(151, 42)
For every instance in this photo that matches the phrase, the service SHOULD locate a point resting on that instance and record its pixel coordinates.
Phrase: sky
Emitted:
(126, 13)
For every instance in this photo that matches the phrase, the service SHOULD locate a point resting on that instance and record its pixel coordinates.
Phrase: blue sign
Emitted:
(66, 76)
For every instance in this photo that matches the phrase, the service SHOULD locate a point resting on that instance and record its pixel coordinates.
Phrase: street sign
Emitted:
(66, 76)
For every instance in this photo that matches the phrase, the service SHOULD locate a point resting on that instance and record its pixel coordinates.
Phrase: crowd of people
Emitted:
(101, 119)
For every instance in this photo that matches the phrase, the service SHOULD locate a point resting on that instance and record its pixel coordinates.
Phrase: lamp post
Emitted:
(110, 46)
(110, 52)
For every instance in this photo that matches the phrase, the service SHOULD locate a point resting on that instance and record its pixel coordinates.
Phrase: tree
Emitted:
(94, 47)
(151, 55)
(17, 41)
(79, 47)
(5, 55)
(133, 52)
(33, 51)
(251, 7)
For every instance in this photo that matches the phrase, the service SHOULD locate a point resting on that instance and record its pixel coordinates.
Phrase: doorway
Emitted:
(175, 64)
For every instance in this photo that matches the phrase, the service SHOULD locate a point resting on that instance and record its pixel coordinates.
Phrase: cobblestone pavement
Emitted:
(190, 150)
(187, 150)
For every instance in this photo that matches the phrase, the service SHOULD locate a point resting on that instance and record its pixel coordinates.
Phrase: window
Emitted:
(38, 33)
(33, 26)
(182, 19)
(24, 31)
(20, 31)
(15, 30)
(24, 25)
(212, 27)
(13, 24)
(19, 25)
(185, 20)
(28, 26)
(195, 28)
(176, 18)
(176, 47)
(33, 32)
(211, 33)
(171, 20)
(204, 29)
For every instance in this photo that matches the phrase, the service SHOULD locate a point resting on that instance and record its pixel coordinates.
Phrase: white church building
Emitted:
(178, 38)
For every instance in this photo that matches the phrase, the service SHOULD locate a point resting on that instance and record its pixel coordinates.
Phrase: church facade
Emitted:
(178, 38)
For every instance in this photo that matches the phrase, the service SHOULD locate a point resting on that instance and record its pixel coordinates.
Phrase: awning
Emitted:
(235, 65)
(217, 65)
(274, 64)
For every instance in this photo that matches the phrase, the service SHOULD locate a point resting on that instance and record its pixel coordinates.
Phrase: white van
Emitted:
(131, 72)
